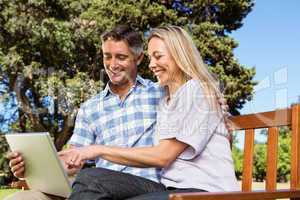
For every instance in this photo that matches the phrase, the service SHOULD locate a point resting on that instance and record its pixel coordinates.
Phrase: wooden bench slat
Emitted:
(275, 118)
(272, 157)
(295, 151)
(248, 160)
(255, 195)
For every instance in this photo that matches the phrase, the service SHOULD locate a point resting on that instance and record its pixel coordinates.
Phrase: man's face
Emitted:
(119, 62)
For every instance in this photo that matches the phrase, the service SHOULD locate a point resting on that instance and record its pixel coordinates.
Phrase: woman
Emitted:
(192, 144)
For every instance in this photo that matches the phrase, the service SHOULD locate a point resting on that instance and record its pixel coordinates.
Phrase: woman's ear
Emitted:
(139, 58)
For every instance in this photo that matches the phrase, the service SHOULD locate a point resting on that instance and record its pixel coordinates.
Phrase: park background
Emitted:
(269, 41)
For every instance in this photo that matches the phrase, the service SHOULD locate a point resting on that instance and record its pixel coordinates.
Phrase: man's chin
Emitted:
(117, 81)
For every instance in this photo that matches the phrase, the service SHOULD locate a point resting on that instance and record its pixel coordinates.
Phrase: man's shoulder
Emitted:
(93, 101)
(150, 85)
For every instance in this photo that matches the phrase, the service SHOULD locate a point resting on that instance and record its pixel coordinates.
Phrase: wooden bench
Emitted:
(271, 120)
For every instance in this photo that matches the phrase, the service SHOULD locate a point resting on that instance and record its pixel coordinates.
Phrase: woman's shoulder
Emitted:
(192, 85)
(190, 91)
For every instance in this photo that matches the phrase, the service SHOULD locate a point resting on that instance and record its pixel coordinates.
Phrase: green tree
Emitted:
(51, 48)
(237, 156)
(47, 52)
(284, 155)
(259, 162)
(5, 174)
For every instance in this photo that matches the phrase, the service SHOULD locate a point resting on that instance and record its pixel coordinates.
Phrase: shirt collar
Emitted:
(138, 81)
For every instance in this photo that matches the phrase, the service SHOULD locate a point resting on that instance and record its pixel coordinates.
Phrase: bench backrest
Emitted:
(271, 121)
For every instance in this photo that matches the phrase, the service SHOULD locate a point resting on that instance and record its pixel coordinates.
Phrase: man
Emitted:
(123, 114)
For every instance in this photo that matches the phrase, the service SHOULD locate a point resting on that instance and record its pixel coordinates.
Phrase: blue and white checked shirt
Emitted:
(106, 120)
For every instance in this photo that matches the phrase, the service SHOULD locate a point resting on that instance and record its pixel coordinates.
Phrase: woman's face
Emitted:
(162, 63)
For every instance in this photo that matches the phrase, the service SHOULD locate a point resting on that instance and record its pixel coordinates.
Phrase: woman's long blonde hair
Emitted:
(188, 59)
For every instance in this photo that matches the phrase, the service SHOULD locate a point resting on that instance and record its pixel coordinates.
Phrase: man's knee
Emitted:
(30, 195)
(94, 183)
(88, 179)
(85, 173)
(94, 174)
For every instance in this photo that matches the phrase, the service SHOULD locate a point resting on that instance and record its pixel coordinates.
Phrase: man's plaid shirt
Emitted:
(106, 120)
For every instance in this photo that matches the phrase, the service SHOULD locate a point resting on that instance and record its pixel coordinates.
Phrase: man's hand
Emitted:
(75, 157)
(16, 164)
(69, 169)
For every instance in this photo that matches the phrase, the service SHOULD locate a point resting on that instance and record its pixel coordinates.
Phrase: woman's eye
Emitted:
(158, 56)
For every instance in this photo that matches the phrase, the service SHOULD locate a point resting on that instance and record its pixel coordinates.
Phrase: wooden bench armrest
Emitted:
(254, 195)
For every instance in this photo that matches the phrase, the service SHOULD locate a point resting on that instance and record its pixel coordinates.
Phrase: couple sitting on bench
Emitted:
(148, 140)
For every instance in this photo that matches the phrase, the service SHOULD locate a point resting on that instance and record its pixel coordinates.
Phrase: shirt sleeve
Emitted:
(188, 119)
(82, 134)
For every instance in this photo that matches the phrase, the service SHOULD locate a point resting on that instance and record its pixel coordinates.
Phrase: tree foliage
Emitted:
(52, 49)
(237, 156)
(259, 161)
(284, 158)
(46, 52)
(5, 174)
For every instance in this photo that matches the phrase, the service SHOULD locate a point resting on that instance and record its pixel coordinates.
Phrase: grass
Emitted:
(261, 185)
(6, 192)
(256, 186)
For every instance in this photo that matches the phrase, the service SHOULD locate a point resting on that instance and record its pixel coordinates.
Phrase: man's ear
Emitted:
(139, 58)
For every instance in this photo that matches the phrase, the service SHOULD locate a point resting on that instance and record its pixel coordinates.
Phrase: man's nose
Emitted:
(114, 64)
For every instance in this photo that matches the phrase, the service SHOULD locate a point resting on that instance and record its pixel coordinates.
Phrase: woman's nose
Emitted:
(152, 65)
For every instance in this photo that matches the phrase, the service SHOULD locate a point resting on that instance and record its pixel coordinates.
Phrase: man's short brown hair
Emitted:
(127, 34)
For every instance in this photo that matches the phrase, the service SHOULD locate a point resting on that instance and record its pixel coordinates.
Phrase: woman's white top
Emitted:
(206, 163)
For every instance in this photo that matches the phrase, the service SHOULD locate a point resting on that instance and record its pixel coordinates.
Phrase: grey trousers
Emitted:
(105, 184)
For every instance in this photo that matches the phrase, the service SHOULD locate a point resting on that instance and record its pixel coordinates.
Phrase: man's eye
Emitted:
(122, 57)
(106, 57)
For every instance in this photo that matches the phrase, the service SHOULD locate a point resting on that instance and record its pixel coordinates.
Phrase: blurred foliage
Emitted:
(284, 158)
(5, 174)
(259, 161)
(237, 156)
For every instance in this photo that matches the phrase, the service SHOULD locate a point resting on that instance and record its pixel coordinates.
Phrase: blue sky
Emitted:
(270, 41)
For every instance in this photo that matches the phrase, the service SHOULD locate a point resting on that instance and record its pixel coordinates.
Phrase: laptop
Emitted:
(44, 170)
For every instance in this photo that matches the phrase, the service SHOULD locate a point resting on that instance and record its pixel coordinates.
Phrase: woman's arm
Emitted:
(160, 156)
